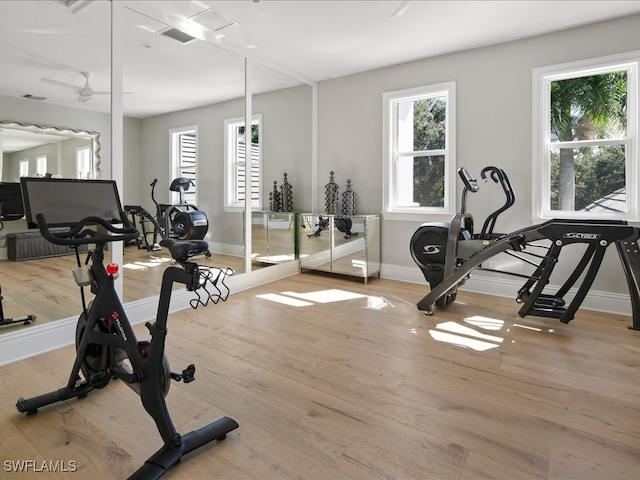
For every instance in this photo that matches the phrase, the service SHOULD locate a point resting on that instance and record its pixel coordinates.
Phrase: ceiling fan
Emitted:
(85, 93)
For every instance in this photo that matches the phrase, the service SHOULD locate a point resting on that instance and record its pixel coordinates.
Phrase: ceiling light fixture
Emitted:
(213, 20)
(401, 9)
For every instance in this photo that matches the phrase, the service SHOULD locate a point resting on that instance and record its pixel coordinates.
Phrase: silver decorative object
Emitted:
(286, 191)
(331, 196)
(348, 200)
(275, 200)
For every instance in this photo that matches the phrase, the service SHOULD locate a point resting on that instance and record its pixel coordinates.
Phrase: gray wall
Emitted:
(286, 125)
(494, 118)
(11, 163)
(45, 114)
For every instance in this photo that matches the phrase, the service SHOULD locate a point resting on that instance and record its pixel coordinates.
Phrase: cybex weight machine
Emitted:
(447, 254)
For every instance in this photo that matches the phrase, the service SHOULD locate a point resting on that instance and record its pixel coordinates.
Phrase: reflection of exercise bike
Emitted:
(448, 253)
(106, 345)
(182, 220)
(342, 224)
(11, 208)
(25, 319)
(10, 202)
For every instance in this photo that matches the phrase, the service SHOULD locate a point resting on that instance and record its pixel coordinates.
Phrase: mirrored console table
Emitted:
(347, 245)
(273, 237)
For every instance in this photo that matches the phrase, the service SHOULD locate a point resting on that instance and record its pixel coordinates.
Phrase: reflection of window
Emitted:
(419, 141)
(84, 163)
(41, 165)
(24, 168)
(585, 139)
(236, 162)
(184, 159)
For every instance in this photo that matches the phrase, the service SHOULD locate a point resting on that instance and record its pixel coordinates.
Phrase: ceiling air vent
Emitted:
(178, 35)
(34, 97)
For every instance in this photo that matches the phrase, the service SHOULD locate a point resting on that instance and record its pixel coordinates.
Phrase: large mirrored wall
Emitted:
(45, 127)
(284, 103)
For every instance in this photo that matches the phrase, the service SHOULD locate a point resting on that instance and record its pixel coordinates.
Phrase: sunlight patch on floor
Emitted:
(460, 341)
(294, 302)
(358, 300)
(466, 336)
(326, 296)
(154, 262)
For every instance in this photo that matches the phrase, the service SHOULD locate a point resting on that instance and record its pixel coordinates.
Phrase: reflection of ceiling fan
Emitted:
(85, 93)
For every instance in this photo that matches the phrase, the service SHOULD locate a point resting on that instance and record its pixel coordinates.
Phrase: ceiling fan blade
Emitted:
(59, 83)
(109, 93)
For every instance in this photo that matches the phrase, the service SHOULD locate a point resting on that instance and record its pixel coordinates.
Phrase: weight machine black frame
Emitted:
(598, 235)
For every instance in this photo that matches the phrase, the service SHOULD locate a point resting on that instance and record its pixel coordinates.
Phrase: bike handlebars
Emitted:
(81, 235)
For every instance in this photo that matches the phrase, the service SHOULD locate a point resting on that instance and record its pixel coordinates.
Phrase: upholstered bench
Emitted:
(31, 246)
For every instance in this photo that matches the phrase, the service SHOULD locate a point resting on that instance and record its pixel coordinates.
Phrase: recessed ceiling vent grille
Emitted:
(177, 35)
(34, 97)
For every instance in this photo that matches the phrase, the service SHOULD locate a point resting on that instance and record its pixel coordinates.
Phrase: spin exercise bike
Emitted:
(106, 345)
(182, 221)
(447, 253)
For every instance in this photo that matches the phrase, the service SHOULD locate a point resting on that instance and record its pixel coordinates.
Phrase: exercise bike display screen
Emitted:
(66, 201)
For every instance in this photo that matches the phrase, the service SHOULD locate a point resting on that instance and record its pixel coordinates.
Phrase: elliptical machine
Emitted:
(183, 221)
(438, 248)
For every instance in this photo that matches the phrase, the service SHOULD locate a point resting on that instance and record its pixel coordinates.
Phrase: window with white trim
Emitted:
(41, 165)
(24, 168)
(419, 150)
(236, 162)
(84, 163)
(585, 139)
(184, 159)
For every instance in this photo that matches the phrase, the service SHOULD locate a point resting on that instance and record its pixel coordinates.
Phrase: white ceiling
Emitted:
(308, 40)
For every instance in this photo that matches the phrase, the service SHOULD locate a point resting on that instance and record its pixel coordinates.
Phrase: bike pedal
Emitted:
(187, 375)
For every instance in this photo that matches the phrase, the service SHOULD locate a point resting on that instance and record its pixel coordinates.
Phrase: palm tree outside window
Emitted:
(585, 145)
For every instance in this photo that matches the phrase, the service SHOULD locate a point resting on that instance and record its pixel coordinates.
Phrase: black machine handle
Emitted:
(498, 175)
(81, 235)
(470, 185)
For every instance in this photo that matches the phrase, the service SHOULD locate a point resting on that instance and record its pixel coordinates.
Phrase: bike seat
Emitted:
(183, 249)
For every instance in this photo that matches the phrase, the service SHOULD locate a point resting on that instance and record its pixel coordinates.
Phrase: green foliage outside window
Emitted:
(592, 107)
(429, 133)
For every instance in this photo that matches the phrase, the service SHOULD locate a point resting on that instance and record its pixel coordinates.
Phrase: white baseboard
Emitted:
(226, 249)
(488, 284)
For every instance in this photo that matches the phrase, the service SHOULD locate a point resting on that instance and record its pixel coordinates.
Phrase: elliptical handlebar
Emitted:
(470, 185)
(79, 234)
(498, 175)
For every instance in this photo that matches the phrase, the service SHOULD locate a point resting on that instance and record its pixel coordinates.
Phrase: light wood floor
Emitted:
(352, 382)
(45, 287)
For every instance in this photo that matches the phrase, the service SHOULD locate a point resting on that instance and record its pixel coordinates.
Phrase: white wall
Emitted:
(494, 125)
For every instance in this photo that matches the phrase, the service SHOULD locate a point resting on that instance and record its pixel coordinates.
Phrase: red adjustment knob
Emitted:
(112, 268)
